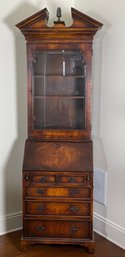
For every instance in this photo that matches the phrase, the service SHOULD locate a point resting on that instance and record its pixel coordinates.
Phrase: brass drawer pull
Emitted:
(40, 228)
(43, 180)
(74, 229)
(74, 191)
(41, 208)
(74, 208)
(40, 191)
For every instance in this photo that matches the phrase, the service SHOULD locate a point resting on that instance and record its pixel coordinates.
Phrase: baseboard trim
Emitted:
(10, 222)
(110, 230)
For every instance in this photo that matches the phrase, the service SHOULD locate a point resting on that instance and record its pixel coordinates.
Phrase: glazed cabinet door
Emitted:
(58, 92)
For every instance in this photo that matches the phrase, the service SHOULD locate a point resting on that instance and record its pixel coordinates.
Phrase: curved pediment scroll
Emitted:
(36, 26)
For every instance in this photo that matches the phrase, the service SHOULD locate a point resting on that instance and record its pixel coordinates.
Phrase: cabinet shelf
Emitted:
(59, 96)
(59, 75)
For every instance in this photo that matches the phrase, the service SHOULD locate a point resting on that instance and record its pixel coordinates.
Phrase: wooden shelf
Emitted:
(60, 96)
(60, 75)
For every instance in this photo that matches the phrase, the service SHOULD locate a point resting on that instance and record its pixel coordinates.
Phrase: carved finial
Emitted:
(58, 13)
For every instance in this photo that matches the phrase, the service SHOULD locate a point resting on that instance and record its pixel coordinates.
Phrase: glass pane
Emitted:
(62, 62)
(58, 88)
(59, 113)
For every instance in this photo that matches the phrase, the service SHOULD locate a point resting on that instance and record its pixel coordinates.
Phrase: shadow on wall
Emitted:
(13, 167)
(99, 154)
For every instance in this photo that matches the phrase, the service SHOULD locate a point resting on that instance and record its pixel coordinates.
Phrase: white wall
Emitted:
(108, 107)
(109, 119)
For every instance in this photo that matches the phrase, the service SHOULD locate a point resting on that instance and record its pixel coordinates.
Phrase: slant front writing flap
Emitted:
(58, 156)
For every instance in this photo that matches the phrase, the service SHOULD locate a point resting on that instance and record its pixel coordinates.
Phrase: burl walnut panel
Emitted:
(75, 192)
(58, 156)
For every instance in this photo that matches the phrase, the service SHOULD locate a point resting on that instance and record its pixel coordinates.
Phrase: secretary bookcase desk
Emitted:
(58, 157)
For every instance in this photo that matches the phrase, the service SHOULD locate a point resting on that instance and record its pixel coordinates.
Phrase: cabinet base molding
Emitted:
(88, 244)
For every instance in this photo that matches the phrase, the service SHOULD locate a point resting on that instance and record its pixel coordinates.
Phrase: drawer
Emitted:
(57, 208)
(75, 192)
(37, 179)
(58, 229)
(76, 179)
